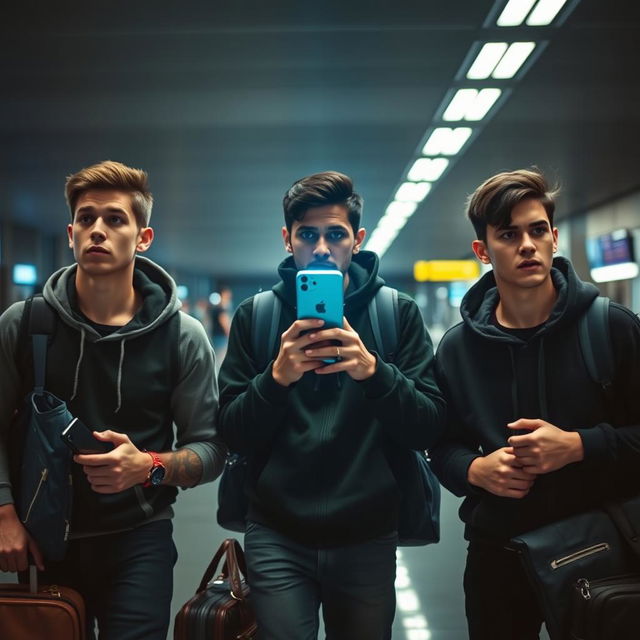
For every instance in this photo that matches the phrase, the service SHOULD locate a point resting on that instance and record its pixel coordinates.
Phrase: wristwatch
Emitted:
(157, 471)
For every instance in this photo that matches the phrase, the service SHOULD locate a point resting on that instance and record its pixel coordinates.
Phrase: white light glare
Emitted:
(418, 634)
(427, 169)
(400, 209)
(471, 104)
(407, 600)
(486, 60)
(413, 191)
(460, 103)
(514, 13)
(545, 12)
(391, 224)
(621, 271)
(445, 141)
(415, 622)
(513, 59)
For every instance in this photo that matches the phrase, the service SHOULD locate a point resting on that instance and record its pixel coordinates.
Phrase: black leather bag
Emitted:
(593, 546)
(221, 607)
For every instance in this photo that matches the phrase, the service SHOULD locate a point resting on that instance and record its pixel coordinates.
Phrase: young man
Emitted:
(129, 365)
(324, 500)
(530, 437)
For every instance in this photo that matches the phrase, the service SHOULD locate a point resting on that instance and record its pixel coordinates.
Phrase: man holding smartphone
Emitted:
(129, 364)
(531, 438)
(324, 500)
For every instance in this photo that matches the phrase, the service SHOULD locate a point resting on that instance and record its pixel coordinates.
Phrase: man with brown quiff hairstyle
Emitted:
(129, 364)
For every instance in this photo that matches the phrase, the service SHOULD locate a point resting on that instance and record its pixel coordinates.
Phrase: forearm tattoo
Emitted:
(183, 468)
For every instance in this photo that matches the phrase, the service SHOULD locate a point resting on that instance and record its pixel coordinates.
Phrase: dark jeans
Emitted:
(499, 602)
(289, 581)
(126, 580)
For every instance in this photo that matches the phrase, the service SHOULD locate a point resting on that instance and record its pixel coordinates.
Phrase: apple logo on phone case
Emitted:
(321, 307)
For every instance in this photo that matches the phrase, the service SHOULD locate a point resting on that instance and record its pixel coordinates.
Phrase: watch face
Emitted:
(157, 475)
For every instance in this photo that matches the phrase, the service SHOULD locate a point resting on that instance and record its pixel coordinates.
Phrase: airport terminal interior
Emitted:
(225, 104)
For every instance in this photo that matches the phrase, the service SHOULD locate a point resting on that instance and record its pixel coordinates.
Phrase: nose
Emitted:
(97, 232)
(321, 250)
(527, 245)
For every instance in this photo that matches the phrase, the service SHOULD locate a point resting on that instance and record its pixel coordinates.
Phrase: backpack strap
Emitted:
(595, 343)
(265, 318)
(383, 315)
(40, 325)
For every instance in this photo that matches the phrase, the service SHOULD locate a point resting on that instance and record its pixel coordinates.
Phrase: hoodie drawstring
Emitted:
(514, 383)
(542, 386)
(77, 375)
(119, 383)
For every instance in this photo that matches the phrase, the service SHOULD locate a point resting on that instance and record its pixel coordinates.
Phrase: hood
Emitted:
(159, 303)
(364, 280)
(156, 286)
(574, 297)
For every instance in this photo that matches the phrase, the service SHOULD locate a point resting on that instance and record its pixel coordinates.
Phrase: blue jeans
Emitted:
(125, 578)
(289, 581)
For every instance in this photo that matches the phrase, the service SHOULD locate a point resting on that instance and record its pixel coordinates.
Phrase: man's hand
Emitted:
(500, 473)
(120, 469)
(547, 448)
(16, 543)
(292, 363)
(355, 359)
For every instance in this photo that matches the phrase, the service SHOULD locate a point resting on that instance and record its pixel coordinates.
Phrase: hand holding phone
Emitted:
(80, 439)
(319, 294)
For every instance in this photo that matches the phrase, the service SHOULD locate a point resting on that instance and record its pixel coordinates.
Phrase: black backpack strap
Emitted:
(265, 318)
(383, 315)
(595, 343)
(40, 325)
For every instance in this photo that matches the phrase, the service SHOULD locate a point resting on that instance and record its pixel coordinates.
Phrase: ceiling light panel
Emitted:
(460, 103)
(486, 60)
(514, 13)
(398, 209)
(428, 169)
(485, 99)
(545, 12)
(513, 59)
(413, 191)
(445, 141)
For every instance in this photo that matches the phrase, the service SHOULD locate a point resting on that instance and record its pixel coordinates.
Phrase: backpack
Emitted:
(419, 516)
(43, 491)
(595, 344)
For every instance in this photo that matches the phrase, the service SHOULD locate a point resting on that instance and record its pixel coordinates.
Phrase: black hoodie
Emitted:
(321, 447)
(491, 377)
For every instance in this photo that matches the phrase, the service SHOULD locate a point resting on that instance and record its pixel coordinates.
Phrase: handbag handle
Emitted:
(234, 565)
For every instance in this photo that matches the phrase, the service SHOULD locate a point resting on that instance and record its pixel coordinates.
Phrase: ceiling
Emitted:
(225, 104)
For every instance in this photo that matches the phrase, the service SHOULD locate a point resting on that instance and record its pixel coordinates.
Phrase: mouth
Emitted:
(529, 264)
(97, 249)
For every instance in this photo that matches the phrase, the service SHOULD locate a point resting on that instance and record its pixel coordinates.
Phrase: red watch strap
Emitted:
(155, 462)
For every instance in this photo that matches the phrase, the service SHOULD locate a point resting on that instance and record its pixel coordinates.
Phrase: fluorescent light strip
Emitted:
(621, 271)
(513, 59)
(485, 99)
(400, 209)
(486, 60)
(545, 12)
(429, 169)
(514, 13)
(413, 191)
(445, 141)
(460, 103)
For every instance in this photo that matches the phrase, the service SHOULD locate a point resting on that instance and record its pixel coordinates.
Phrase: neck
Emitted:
(109, 299)
(524, 308)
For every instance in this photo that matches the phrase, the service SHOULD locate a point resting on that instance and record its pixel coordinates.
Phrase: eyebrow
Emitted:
(531, 225)
(333, 227)
(90, 208)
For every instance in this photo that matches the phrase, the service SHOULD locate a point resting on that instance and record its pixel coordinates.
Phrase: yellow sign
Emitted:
(445, 270)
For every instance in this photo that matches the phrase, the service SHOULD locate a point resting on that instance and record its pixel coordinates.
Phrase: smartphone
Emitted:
(319, 294)
(80, 439)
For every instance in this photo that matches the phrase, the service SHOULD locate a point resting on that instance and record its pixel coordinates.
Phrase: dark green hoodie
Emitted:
(321, 448)
(491, 377)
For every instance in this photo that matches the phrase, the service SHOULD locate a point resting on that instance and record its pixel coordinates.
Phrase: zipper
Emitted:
(579, 555)
(43, 476)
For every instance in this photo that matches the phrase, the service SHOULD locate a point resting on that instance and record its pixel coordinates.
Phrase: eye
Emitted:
(507, 235)
(308, 236)
(84, 218)
(336, 236)
(115, 220)
(539, 231)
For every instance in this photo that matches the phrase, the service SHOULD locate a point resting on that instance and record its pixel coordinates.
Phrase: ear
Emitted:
(70, 234)
(360, 236)
(286, 237)
(145, 238)
(480, 249)
(554, 232)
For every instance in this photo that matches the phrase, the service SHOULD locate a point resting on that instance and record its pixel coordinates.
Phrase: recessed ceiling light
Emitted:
(445, 141)
(486, 60)
(545, 12)
(460, 103)
(485, 99)
(413, 191)
(429, 169)
(398, 209)
(514, 13)
(513, 59)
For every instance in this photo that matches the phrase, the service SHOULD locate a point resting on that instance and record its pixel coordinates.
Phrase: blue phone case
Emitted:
(319, 294)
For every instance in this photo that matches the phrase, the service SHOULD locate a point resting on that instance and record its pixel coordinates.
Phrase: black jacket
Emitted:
(321, 448)
(491, 378)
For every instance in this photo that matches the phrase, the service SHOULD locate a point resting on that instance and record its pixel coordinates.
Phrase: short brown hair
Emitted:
(319, 189)
(112, 175)
(493, 201)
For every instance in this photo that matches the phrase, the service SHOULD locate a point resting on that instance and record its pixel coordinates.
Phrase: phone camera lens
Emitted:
(314, 282)
(304, 287)
(304, 278)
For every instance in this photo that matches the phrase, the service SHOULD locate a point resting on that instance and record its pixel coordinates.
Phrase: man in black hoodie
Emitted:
(129, 364)
(324, 500)
(530, 438)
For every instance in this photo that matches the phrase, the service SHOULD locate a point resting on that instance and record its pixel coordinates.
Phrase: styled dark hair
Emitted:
(493, 201)
(112, 175)
(319, 189)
